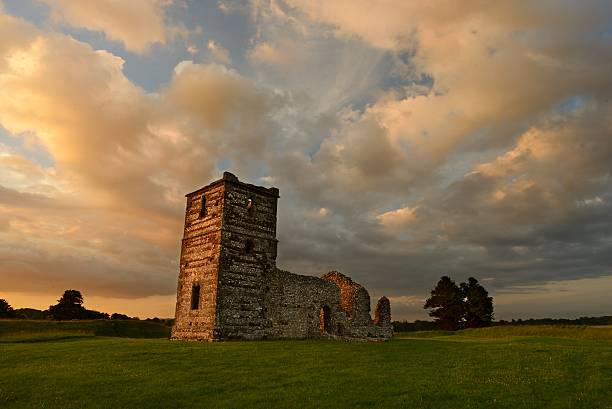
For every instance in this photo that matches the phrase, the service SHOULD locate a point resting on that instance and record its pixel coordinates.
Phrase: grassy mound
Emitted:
(34, 331)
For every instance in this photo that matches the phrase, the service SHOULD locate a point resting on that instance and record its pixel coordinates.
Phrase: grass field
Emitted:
(34, 331)
(500, 367)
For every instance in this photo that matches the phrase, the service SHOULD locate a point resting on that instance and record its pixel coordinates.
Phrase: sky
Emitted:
(409, 140)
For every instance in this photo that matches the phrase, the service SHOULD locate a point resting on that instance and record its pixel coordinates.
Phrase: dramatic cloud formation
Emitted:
(123, 159)
(408, 140)
(491, 100)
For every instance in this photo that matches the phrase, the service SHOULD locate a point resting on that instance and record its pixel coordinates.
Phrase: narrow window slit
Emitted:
(203, 208)
(195, 297)
(248, 246)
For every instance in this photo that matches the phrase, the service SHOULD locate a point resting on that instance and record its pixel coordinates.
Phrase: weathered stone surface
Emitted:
(228, 261)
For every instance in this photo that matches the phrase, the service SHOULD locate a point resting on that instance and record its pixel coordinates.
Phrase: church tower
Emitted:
(228, 249)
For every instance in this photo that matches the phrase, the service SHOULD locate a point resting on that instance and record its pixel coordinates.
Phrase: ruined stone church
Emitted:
(229, 286)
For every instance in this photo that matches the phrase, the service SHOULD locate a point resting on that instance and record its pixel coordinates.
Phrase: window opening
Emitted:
(195, 297)
(250, 207)
(203, 208)
(248, 246)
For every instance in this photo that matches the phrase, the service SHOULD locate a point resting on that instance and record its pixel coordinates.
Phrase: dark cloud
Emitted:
(537, 213)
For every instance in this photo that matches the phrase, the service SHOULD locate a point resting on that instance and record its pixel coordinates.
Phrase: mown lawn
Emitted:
(504, 367)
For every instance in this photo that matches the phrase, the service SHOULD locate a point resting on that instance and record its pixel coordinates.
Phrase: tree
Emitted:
(446, 302)
(478, 306)
(31, 314)
(69, 306)
(95, 315)
(6, 311)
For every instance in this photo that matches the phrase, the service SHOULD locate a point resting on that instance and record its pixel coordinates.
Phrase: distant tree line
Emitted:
(420, 325)
(604, 320)
(68, 307)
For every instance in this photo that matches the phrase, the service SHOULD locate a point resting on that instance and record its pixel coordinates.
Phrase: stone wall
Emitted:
(199, 264)
(293, 304)
(248, 251)
(382, 317)
(229, 251)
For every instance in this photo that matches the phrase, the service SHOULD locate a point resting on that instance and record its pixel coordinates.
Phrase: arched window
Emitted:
(195, 297)
(203, 207)
(325, 319)
(249, 246)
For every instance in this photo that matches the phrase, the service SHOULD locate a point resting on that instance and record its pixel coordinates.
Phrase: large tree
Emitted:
(6, 311)
(69, 306)
(478, 306)
(446, 302)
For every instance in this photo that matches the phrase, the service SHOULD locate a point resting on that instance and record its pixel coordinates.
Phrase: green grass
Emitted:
(501, 367)
(603, 332)
(33, 330)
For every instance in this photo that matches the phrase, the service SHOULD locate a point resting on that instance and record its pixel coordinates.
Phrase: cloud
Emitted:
(266, 53)
(398, 217)
(487, 113)
(465, 49)
(536, 212)
(219, 53)
(229, 111)
(136, 23)
(403, 139)
(570, 299)
(106, 216)
(525, 191)
(192, 49)
(388, 24)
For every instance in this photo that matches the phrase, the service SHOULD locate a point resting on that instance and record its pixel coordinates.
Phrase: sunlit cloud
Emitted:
(219, 53)
(398, 218)
(137, 23)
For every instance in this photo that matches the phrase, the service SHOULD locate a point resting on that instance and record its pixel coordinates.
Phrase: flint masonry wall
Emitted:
(248, 251)
(293, 304)
(199, 265)
(229, 253)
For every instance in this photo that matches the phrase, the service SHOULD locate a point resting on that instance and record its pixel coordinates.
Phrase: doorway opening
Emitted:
(325, 319)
